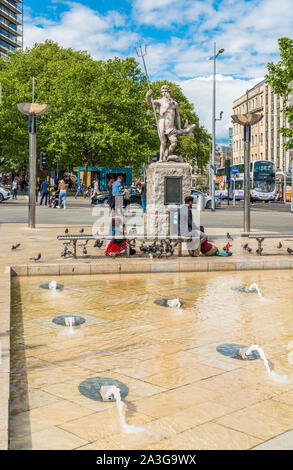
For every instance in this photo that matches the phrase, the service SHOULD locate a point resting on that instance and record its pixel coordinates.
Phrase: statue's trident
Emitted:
(142, 54)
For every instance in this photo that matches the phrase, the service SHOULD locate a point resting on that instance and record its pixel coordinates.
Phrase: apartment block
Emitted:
(266, 142)
(11, 26)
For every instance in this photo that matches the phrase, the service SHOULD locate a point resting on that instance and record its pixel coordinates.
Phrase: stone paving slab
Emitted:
(282, 442)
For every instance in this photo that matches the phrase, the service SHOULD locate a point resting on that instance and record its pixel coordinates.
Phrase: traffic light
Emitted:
(43, 160)
(155, 156)
(227, 169)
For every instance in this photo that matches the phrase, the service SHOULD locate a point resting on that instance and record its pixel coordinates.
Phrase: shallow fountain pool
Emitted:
(181, 391)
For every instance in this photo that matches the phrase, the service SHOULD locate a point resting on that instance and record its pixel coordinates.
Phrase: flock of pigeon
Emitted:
(159, 250)
(155, 250)
(67, 252)
(259, 250)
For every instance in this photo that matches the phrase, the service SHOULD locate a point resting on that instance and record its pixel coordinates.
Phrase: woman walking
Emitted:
(14, 189)
(62, 194)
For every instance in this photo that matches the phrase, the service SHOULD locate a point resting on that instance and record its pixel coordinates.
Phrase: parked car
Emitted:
(135, 197)
(207, 199)
(4, 194)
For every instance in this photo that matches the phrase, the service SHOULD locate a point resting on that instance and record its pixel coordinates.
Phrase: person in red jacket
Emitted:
(207, 248)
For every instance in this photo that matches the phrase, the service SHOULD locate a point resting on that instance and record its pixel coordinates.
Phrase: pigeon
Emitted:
(144, 248)
(280, 245)
(289, 251)
(84, 243)
(65, 252)
(84, 251)
(66, 230)
(229, 237)
(14, 247)
(81, 230)
(36, 258)
(259, 250)
(249, 249)
(98, 243)
(245, 246)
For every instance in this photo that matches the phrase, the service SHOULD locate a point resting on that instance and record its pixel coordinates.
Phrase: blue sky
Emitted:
(180, 36)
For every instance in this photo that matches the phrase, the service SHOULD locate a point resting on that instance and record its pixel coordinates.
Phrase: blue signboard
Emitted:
(234, 170)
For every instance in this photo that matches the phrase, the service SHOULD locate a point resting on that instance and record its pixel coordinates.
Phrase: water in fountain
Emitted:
(127, 428)
(254, 288)
(272, 374)
(69, 330)
(53, 285)
(174, 303)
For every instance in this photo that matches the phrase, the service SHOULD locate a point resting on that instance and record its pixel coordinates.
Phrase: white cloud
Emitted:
(247, 30)
(83, 29)
(200, 92)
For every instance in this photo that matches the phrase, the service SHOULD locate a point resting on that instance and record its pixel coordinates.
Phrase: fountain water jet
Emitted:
(272, 374)
(53, 285)
(108, 393)
(69, 330)
(254, 288)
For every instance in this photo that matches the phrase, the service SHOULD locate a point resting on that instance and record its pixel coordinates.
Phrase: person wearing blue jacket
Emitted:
(44, 192)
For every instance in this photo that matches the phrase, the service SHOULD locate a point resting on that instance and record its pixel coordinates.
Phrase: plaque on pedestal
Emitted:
(173, 190)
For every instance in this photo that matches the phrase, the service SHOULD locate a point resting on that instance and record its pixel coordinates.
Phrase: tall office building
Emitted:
(11, 26)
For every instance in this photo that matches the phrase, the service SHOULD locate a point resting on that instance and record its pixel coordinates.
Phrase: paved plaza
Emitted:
(181, 390)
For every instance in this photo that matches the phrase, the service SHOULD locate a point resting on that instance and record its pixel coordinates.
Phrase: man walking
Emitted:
(44, 192)
(117, 195)
(79, 190)
(143, 192)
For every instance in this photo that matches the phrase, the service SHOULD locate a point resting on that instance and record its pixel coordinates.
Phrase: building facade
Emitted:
(11, 26)
(266, 142)
(230, 137)
(222, 153)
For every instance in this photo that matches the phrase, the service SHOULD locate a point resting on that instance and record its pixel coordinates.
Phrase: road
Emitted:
(274, 217)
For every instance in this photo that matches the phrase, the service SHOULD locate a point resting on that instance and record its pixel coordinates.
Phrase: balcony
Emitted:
(9, 15)
(12, 6)
(13, 41)
(4, 23)
(257, 108)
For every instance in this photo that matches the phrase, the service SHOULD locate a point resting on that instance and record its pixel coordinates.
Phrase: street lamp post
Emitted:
(284, 152)
(213, 206)
(32, 110)
(247, 120)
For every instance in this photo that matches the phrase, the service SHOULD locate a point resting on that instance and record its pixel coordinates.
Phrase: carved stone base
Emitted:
(174, 158)
(157, 173)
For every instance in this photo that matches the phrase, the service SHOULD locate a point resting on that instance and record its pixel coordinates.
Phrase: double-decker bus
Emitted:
(262, 182)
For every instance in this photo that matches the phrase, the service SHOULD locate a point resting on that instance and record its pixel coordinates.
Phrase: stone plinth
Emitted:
(157, 174)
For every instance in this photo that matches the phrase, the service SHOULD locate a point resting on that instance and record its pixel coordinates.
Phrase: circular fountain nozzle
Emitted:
(242, 353)
(107, 392)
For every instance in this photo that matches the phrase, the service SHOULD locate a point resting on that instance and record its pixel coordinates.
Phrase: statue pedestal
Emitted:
(168, 183)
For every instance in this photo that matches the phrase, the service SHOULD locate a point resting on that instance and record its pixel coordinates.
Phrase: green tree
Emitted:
(280, 77)
(98, 114)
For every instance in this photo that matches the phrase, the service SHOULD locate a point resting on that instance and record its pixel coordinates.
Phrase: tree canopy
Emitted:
(280, 77)
(98, 114)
